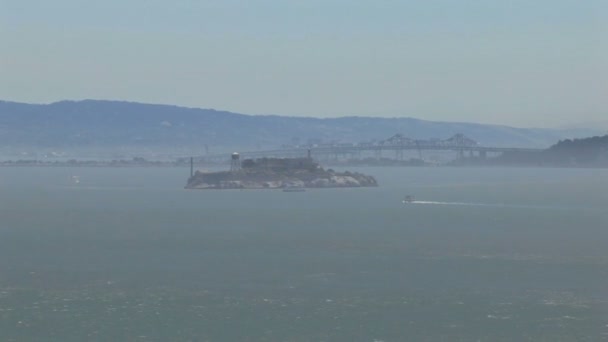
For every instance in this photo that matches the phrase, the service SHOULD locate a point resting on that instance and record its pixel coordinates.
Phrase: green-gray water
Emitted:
(128, 255)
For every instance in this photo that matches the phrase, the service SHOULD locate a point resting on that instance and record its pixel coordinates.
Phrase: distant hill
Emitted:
(108, 124)
(587, 152)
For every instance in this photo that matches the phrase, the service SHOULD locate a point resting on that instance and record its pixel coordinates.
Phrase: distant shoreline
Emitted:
(168, 164)
(91, 163)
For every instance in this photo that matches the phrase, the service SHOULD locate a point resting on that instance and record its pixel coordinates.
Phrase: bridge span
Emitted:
(338, 151)
(396, 145)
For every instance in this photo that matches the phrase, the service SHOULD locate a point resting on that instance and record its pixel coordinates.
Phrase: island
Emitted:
(276, 173)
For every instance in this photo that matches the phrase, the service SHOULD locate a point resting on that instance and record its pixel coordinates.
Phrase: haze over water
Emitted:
(127, 254)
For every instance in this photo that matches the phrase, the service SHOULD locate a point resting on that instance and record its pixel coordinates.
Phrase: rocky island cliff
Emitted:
(275, 173)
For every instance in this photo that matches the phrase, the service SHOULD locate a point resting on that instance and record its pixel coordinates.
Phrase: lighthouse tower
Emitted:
(235, 162)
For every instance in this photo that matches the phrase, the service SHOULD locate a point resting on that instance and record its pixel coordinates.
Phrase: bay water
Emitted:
(127, 254)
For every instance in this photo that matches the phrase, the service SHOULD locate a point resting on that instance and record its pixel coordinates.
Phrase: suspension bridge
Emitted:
(395, 147)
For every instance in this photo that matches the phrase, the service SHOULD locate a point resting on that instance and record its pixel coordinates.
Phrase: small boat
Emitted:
(408, 199)
(75, 179)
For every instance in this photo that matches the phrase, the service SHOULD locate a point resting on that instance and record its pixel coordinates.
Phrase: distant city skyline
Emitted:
(519, 63)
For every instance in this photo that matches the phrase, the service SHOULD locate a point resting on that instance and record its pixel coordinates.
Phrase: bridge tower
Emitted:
(419, 149)
(399, 153)
(235, 162)
(191, 167)
(378, 153)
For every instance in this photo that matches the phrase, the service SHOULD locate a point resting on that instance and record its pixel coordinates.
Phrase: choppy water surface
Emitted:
(127, 254)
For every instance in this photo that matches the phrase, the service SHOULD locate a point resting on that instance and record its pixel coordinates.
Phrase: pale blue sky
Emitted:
(516, 62)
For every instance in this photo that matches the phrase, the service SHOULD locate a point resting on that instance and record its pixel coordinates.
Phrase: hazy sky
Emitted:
(516, 62)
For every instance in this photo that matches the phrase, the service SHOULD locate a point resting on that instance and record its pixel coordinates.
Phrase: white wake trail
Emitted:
(492, 205)
(456, 203)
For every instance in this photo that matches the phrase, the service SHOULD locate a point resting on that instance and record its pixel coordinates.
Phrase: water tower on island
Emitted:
(235, 162)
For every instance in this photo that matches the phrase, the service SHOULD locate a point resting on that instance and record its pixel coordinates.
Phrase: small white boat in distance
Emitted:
(75, 179)
(408, 199)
